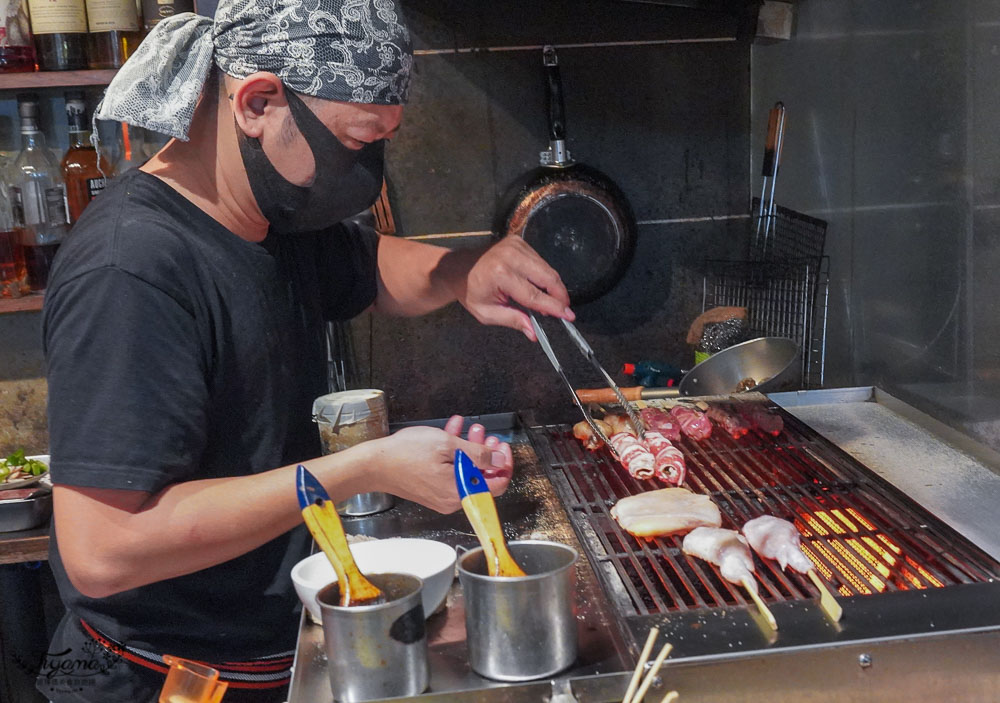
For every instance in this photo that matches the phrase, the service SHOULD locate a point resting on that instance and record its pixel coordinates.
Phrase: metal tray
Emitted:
(25, 513)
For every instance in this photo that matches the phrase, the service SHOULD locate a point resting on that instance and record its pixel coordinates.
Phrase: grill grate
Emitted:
(863, 535)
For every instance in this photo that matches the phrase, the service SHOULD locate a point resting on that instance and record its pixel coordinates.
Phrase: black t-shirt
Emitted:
(177, 351)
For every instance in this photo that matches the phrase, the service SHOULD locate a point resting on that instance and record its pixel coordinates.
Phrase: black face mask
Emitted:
(347, 181)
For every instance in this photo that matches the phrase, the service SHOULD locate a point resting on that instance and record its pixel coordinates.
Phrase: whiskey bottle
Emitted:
(83, 179)
(37, 194)
(60, 29)
(114, 32)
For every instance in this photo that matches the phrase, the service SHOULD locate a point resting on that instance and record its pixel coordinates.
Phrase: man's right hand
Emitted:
(418, 463)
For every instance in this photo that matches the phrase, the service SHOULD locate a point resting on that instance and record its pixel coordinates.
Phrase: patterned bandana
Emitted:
(347, 50)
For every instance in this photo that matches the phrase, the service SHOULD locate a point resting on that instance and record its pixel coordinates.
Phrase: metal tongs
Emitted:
(588, 352)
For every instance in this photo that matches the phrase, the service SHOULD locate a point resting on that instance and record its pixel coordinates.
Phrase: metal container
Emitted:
(346, 419)
(521, 628)
(376, 651)
(25, 513)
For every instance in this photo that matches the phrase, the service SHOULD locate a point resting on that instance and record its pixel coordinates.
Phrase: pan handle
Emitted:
(557, 154)
(772, 148)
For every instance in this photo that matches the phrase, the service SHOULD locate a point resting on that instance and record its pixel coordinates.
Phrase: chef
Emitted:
(183, 333)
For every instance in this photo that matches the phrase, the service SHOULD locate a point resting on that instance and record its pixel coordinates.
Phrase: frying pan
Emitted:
(767, 360)
(573, 215)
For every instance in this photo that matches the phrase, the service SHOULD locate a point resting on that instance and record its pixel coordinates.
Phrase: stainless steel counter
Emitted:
(530, 508)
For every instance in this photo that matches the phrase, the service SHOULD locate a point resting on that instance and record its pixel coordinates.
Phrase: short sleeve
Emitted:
(128, 395)
(348, 270)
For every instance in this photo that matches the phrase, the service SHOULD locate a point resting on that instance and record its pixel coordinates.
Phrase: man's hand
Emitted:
(509, 271)
(419, 463)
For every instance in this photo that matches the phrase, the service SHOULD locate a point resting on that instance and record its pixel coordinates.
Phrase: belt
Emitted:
(272, 671)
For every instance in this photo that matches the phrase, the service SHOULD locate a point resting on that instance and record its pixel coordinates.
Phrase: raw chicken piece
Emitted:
(666, 511)
(585, 434)
(727, 549)
(727, 419)
(659, 420)
(619, 423)
(693, 422)
(774, 538)
(636, 459)
(761, 417)
(670, 467)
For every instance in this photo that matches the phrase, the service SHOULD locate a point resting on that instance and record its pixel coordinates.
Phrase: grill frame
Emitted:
(705, 598)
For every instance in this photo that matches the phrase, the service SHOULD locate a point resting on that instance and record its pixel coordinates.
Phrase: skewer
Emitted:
(827, 602)
(653, 672)
(643, 658)
(768, 615)
(670, 697)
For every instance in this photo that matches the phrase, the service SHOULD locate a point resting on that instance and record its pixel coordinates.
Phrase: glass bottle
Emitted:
(13, 272)
(37, 194)
(114, 32)
(17, 53)
(84, 180)
(155, 10)
(60, 29)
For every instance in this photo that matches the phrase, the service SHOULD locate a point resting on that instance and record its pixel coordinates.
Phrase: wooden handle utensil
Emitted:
(321, 517)
(482, 513)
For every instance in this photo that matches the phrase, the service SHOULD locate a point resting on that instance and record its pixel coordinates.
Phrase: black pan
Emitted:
(573, 215)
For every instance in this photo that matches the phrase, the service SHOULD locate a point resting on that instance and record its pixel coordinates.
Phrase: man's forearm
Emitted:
(112, 541)
(417, 278)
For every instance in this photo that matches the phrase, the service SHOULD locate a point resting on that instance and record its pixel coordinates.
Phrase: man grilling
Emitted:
(183, 332)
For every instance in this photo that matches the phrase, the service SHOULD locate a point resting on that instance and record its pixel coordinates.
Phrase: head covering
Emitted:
(347, 50)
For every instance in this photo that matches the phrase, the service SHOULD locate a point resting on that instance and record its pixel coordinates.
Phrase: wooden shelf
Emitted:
(54, 79)
(26, 303)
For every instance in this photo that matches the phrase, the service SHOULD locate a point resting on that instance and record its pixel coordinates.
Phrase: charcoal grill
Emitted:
(895, 567)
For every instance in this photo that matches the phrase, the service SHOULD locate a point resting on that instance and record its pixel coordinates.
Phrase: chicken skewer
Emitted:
(728, 550)
(774, 538)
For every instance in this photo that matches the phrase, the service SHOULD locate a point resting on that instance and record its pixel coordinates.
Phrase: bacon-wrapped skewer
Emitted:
(669, 461)
(726, 418)
(761, 417)
(636, 459)
(583, 432)
(659, 420)
(693, 422)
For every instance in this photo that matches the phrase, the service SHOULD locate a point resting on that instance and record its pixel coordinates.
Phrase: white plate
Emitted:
(25, 482)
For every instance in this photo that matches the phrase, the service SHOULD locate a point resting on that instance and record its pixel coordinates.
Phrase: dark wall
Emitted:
(656, 97)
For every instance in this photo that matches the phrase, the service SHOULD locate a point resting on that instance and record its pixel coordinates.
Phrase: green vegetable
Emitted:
(18, 460)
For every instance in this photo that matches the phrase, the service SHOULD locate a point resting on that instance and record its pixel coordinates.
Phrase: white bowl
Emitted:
(432, 561)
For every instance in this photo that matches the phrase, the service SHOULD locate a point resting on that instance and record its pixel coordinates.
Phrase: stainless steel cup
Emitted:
(376, 651)
(365, 504)
(520, 628)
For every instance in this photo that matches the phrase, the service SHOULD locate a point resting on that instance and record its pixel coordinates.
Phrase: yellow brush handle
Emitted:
(327, 530)
(482, 513)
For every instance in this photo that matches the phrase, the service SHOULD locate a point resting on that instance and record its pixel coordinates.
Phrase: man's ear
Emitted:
(258, 100)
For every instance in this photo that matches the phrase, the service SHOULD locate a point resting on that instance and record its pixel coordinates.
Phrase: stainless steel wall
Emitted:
(891, 137)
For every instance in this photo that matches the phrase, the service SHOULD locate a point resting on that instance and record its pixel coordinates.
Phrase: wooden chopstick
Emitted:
(653, 672)
(643, 658)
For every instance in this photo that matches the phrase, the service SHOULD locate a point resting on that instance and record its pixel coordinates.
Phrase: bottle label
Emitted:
(58, 16)
(55, 205)
(112, 16)
(95, 186)
(155, 10)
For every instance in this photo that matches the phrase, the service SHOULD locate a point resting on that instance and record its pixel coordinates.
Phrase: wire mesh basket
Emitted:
(784, 286)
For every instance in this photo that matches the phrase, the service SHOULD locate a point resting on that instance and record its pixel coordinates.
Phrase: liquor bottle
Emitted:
(84, 180)
(38, 195)
(60, 29)
(17, 53)
(114, 32)
(155, 10)
(13, 273)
